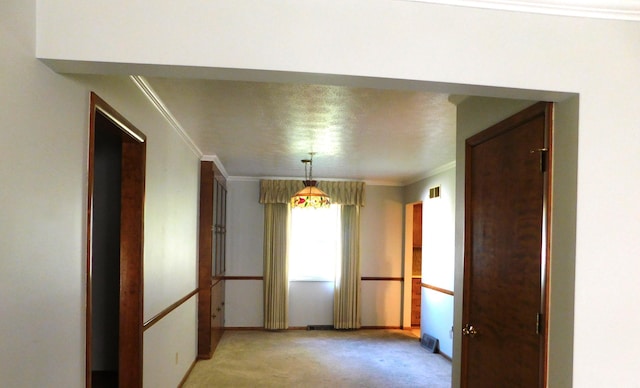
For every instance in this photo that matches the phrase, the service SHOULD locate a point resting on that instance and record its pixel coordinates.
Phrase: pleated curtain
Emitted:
(276, 264)
(276, 196)
(346, 302)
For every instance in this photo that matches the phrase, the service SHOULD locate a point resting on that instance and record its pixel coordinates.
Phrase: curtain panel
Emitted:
(276, 196)
(347, 293)
(276, 266)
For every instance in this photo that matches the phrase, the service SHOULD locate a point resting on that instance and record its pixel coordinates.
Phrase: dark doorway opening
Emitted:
(114, 249)
(105, 296)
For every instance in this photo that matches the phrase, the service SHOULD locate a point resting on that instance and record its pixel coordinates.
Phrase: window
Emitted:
(314, 248)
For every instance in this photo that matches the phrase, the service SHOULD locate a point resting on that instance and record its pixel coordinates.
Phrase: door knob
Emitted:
(469, 330)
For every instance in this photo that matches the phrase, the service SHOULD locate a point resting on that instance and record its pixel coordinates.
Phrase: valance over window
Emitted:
(276, 196)
(340, 192)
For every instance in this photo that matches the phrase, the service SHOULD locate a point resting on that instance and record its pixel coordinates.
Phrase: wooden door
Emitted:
(504, 305)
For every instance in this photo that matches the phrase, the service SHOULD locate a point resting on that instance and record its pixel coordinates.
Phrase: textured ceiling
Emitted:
(265, 129)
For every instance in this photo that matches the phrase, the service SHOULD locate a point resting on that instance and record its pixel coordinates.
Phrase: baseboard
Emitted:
(240, 328)
(184, 379)
(445, 356)
(305, 328)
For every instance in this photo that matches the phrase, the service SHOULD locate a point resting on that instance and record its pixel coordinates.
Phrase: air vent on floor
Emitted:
(320, 327)
(429, 342)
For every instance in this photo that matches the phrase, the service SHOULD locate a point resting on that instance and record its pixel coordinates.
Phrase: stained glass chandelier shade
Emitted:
(310, 196)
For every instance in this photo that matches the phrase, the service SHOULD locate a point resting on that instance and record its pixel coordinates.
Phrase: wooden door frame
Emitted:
(408, 265)
(209, 273)
(205, 256)
(131, 244)
(535, 110)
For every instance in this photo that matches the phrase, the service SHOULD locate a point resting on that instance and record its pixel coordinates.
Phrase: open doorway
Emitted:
(114, 249)
(413, 268)
(416, 267)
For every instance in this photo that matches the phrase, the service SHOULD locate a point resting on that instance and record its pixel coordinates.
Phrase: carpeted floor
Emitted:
(319, 358)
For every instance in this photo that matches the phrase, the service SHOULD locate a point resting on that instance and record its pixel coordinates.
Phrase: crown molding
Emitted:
(430, 173)
(599, 9)
(367, 182)
(217, 162)
(155, 100)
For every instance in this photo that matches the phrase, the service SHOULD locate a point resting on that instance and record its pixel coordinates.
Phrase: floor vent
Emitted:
(430, 343)
(320, 327)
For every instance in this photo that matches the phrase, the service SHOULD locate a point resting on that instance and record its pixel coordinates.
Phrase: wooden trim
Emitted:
(205, 258)
(132, 192)
(545, 272)
(186, 375)
(242, 328)
(531, 113)
(243, 277)
(168, 310)
(364, 278)
(382, 278)
(131, 264)
(434, 288)
(534, 111)
(89, 267)
(215, 282)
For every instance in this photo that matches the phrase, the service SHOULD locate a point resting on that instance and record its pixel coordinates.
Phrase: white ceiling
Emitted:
(264, 129)
(394, 137)
(604, 9)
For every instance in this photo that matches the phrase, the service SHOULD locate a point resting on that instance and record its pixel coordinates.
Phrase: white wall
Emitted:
(245, 228)
(170, 225)
(398, 44)
(43, 215)
(381, 243)
(381, 224)
(312, 302)
(438, 242)
(563, 242)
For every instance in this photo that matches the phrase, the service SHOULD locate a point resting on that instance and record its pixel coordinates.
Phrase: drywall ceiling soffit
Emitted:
(602, 9)
(259, 129)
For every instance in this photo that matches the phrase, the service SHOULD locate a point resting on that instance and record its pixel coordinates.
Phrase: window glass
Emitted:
(315, 243)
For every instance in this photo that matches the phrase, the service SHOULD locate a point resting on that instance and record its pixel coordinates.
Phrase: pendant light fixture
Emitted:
(310, 195)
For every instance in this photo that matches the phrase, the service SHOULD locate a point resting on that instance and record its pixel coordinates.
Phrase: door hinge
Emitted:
(538, 323)
(544, 158)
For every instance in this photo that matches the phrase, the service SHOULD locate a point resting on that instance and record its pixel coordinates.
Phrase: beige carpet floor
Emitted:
(321, 358)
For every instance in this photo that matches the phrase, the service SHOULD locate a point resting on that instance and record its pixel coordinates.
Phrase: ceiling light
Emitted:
(310, 195)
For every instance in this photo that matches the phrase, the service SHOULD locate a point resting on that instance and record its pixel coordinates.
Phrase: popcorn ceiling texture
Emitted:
(265, 129)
